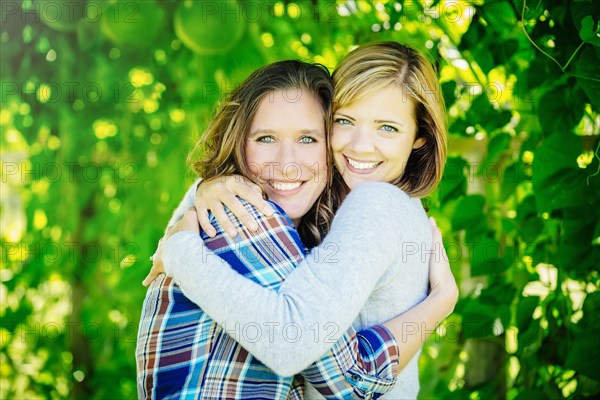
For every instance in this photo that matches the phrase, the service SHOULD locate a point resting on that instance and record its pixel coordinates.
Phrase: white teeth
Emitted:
(361, 165)
(286, 186)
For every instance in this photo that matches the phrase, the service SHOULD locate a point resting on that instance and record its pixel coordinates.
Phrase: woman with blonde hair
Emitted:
(389, 126)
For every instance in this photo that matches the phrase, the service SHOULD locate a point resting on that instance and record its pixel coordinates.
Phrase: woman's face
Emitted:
(286, 150)
(373, 137)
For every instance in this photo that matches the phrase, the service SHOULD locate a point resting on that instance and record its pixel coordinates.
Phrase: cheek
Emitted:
(257, 158)
(310, 156)
(314, 164)
(337, 140)
(400, 156)
(250, 152)
(322, 169)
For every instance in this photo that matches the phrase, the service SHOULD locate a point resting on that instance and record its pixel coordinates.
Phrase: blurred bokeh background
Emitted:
(102, 101)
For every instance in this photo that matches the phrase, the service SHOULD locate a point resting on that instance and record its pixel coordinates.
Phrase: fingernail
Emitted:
(231, 232)
(268, 210)
(253, 226)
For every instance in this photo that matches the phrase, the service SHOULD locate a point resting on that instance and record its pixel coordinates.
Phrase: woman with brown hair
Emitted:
(181, 351)
(389, 126)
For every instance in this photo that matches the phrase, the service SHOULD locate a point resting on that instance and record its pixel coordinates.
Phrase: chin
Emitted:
(291, 210)
(294, 214)
(355, 182)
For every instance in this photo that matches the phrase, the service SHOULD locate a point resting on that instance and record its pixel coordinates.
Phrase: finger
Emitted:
(151, 276)
(438, 243)
(222, 217)
(255, 198)
(248, 191)
(204, 222)
(254, 188)
(238, 209)
(202, 215)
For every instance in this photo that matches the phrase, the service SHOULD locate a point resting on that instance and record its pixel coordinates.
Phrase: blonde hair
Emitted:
(221, 149)
(375, 66)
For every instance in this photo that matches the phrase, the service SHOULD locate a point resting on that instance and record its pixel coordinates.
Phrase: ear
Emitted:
(419, 143)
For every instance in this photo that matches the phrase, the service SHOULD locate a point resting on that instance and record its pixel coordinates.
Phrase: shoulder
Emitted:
(376, 194)
(385, 201)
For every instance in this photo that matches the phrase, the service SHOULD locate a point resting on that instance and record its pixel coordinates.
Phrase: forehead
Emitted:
(385, 102)
(293, 108)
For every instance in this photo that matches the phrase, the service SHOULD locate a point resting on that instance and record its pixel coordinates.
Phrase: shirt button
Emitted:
(356, 378)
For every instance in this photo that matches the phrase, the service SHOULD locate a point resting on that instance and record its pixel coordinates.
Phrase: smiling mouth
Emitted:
(362, 166)
(285, 186)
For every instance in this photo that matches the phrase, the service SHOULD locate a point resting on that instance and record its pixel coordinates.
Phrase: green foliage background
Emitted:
(101, 101)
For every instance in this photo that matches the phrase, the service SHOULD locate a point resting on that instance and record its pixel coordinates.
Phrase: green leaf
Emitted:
(530, 394)
(584, 355)
(454, 182)
(588, 388)
(513, 175)
(486, 258)
(529, 225)
(591, 311)
(581, 9)
(486, 115)
(525, 309)
(560, 109)
(474, 34)
(478, 320)
(449, 92)
(587, 32)
(557, 180)
(530, 339)
(469, 212)
(576, 252)
(526, 208)
(498, 145)
(500, 15)
(586, 67)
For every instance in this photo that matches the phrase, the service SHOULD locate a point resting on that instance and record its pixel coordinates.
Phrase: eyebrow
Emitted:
(261, 131)
(383, 121)
(271, 131)
(377, 121)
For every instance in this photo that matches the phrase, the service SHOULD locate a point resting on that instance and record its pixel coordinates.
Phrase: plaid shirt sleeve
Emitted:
(361, 364)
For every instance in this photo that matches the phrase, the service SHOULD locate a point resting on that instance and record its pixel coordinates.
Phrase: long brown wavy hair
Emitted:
(221, 149)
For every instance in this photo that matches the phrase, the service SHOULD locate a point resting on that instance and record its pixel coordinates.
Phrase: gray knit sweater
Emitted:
(372, 266)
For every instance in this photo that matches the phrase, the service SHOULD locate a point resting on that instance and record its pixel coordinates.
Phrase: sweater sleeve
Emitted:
(189, 199)
(325, 293)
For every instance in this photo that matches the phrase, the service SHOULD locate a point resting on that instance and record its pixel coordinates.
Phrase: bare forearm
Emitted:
(412, 328)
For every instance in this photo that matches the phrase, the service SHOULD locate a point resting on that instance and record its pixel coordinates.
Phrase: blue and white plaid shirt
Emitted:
(182, 353)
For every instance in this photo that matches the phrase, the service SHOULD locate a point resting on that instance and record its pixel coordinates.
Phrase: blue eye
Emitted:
(342, 121)
(307, 140)
(389, 128)
(265, 139)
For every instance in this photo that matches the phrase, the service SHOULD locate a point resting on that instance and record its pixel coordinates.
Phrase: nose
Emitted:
(362, 141)
(286, 153)
(287, 160)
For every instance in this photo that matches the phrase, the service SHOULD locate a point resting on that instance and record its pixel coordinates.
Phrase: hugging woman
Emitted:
(385, 130)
